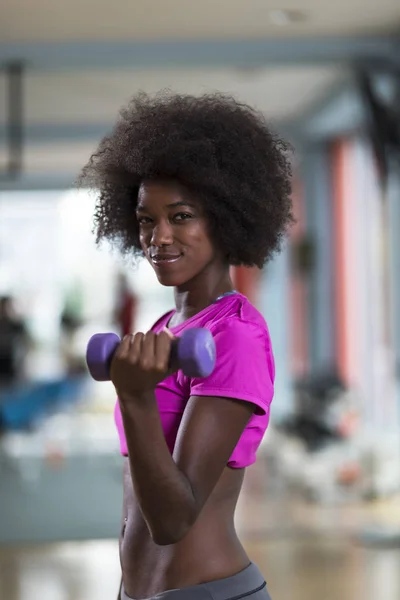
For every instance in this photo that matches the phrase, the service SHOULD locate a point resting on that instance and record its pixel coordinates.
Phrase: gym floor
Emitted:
(306, 552)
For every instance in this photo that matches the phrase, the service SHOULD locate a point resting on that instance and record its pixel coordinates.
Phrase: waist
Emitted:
(210, 551)
(246, 582)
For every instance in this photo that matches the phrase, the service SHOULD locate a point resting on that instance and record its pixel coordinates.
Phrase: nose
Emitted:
(161, 234)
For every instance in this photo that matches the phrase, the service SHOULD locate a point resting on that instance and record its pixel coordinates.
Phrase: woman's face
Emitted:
(173, 233)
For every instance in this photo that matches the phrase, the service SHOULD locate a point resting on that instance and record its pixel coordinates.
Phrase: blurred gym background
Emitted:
(321, 511)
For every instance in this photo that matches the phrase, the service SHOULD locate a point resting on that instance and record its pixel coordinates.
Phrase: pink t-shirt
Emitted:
(244, 370)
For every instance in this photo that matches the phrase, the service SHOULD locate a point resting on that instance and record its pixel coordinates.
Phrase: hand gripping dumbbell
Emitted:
(193, 352)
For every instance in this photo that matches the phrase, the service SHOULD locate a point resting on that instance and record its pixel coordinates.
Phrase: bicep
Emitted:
(209, 432)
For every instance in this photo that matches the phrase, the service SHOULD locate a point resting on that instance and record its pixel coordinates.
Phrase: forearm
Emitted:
(163, 492)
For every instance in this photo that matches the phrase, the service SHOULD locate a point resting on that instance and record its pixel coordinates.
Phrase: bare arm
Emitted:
(172, 490)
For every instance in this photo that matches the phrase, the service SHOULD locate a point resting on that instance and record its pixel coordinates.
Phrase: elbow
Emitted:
(161, 538)
(172, 526)
(167, 535)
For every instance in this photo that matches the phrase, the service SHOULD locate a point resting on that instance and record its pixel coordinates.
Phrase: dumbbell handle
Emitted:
(193, 352)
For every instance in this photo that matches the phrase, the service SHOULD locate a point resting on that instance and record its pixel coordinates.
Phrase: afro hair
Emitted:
(222, 151)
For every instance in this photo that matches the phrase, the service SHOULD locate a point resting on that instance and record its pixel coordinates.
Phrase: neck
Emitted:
(200, 293)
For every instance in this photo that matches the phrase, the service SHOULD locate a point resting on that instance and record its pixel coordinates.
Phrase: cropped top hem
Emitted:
(231, 464)
(230, 393)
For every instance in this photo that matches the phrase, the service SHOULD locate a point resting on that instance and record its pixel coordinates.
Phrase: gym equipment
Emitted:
(194, 352)
(315, 419)
(25, 406)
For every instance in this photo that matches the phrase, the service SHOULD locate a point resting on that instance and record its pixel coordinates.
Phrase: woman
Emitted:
(195, 185)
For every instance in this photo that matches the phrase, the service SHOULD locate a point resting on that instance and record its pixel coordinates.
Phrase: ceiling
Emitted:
(57, 20)
(69, 106)
(63, 110)
(95, 97)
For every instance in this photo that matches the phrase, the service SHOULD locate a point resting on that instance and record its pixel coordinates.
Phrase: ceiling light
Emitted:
(286, 17)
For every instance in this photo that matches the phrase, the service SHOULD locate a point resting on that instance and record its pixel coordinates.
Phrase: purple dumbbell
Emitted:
(194, 352)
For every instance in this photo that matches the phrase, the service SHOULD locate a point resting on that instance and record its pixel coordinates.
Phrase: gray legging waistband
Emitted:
(249, 584)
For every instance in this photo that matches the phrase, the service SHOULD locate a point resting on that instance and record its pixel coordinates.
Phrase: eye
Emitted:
(144, 220)
(179, 217)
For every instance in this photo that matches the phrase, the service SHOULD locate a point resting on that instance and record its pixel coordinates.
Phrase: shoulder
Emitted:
(242, 339)
(239, 336)
(240, 319)
(244, 367)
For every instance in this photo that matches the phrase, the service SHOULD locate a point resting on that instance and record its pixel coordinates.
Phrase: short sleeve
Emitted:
(244, 366)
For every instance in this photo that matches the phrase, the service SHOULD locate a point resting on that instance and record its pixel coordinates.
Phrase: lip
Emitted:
(165, 259)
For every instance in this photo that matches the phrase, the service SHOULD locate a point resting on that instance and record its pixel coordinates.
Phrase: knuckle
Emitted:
(164, 341)
(161, 366)
(163, 335)
(132, 359)
(145, 364)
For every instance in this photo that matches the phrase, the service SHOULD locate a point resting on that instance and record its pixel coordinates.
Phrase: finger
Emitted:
(136, 347)
(147, 355)
(163, 351)
(123, 349)
(169, 333)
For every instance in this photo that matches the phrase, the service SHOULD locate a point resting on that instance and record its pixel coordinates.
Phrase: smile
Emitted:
(164, 260)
